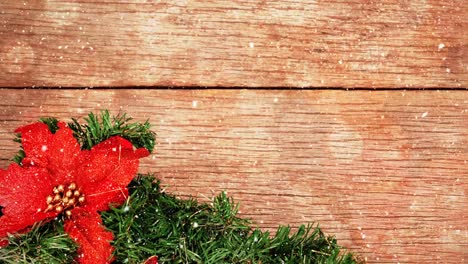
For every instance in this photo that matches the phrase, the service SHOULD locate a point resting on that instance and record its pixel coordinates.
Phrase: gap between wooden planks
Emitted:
(385, 171)
(345, 43)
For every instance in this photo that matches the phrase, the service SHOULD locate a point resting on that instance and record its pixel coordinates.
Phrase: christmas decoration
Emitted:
(58, 178)
(74, 195)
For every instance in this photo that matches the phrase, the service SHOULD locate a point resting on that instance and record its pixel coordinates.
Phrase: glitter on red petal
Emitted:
(111, 166)
(100, 199)
(142, 152)
(64, 155)
(115, 141)
(3, 243)
(33, 139)
(23, 193)
(151, 260)
(59, 152)
(94, 241)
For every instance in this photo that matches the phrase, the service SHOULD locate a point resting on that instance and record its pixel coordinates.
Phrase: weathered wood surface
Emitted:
(385, 171)
(302, 43)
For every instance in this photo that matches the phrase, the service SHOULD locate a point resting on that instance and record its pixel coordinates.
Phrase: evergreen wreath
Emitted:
(73, 195)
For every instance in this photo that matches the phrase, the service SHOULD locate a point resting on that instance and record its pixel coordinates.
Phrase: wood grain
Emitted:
(384, 171)
(302, 43)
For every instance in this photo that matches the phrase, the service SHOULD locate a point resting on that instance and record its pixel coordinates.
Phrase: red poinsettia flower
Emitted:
(58, 178)
(151, 260)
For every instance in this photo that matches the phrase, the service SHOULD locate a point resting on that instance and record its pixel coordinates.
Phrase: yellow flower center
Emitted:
(64, 199)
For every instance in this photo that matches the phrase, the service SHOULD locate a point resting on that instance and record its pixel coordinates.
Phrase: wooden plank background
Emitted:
(301, 43)
(386, 171)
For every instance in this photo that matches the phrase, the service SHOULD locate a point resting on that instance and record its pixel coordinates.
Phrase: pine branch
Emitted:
(100, 128)
(51, 122)
(183, 231)
(45, 243)
(18, 158)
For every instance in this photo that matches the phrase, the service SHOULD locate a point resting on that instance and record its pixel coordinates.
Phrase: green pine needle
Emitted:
(100, 128)
(51, 122)
(152, 222)
(45, 243)
(18, 158)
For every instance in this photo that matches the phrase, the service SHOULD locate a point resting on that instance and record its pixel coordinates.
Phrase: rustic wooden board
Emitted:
(302, 43)
(384, 171)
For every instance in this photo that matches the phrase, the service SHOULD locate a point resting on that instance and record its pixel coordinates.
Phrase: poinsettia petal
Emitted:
(94, 241)
(115, 141)
(109, 168)
(35, 138)
(3, 243)
(23, 193)
(151, 260)
(101, 197)
(64, 155)
(114, 158)
(59, 152)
